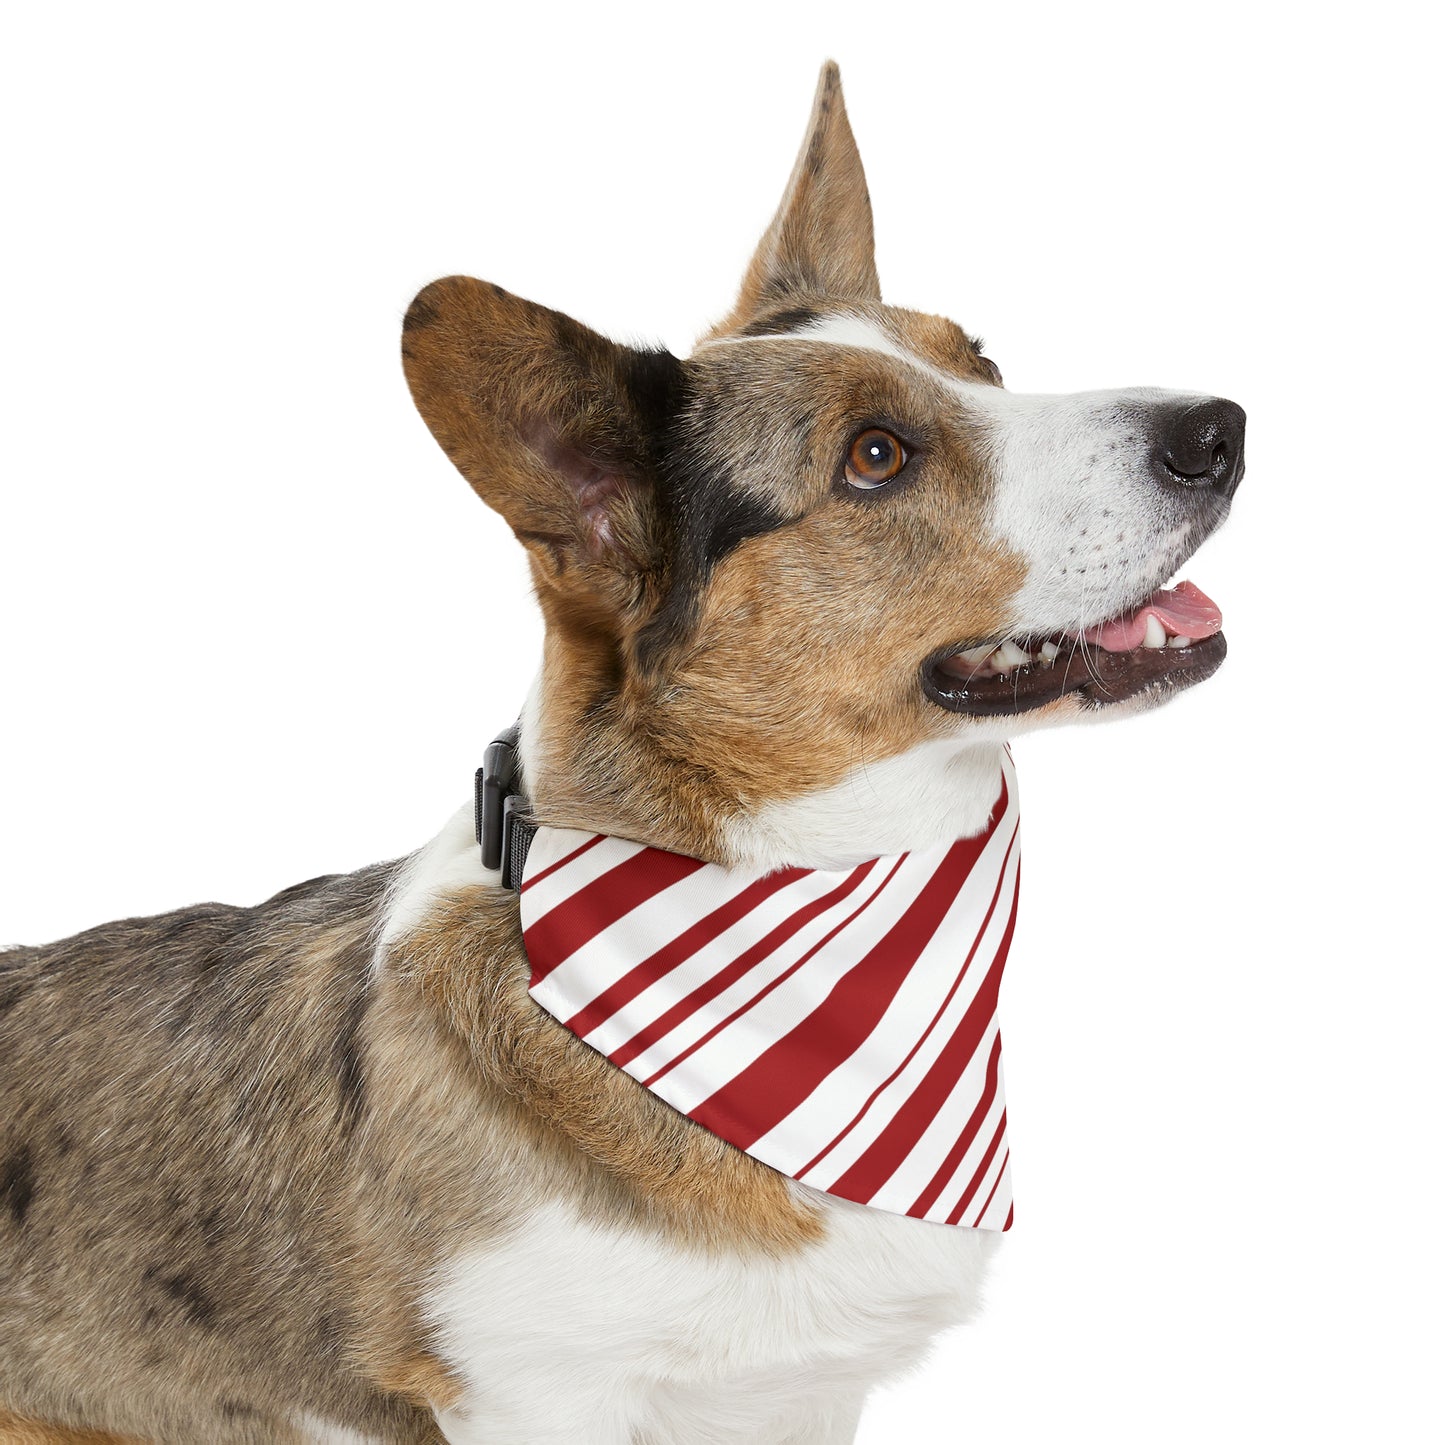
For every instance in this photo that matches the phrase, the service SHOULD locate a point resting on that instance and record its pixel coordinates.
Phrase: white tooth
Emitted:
(996, 662)
(975, 656)
(1049, 651)
(1180, 641)
(1012, 655)
(1154, 634)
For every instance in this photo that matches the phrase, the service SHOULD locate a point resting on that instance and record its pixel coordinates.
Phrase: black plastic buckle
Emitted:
(504, 832)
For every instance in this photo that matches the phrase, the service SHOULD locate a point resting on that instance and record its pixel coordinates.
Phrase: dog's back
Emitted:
(180, 1092)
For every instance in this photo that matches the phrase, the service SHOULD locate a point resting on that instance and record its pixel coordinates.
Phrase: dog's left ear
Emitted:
(820, 244)
(556, 427)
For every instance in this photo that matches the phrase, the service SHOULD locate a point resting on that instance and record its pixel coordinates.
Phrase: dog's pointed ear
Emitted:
(820, 243)
(556, 427)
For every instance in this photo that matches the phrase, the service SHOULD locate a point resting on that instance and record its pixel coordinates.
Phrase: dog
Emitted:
(322, 1169)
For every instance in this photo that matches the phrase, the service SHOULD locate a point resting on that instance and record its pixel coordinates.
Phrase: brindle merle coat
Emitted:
(238, 1144)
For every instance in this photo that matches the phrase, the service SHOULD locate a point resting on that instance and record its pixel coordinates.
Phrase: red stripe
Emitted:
(547, 872)
(725, 978)
(783, 1075)
(1002, 1169)
(981, 1173)
(678, 951)
(1009, 1222)
(562, 930)
(903, 1131)
(967, 1135)
(933, 1023)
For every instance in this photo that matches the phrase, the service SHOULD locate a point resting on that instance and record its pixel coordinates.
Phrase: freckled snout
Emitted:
(1199, 444)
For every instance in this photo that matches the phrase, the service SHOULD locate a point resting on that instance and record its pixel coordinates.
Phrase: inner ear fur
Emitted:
(555, 426)
(820, 243)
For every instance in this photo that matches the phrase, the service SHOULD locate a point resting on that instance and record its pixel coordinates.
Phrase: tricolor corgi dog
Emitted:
(326, 1169)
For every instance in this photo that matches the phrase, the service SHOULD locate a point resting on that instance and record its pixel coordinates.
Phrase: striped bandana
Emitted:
(838, 1025)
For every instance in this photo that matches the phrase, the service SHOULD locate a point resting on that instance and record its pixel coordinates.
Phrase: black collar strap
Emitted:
(504, 831)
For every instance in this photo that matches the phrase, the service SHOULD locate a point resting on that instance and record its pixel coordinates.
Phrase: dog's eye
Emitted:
(992, 368)
(875, 457)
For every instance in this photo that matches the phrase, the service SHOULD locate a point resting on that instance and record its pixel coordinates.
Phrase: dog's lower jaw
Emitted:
(708, 784)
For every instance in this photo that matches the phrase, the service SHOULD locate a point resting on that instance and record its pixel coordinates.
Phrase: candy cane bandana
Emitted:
(838, 1025)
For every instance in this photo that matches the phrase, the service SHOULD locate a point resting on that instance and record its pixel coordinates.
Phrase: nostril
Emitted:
(1201, 444)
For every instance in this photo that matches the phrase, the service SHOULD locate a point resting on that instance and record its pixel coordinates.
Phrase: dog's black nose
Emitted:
(1201, 444)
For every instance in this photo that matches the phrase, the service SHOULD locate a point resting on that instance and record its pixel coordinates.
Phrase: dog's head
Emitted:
(828, 538)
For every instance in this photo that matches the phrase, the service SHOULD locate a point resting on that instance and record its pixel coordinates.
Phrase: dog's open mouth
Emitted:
(1171, 640)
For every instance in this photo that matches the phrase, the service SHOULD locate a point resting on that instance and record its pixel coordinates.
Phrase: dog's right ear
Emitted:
(820, 243)
(555, 426)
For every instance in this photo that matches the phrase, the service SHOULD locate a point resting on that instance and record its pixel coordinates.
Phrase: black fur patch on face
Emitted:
(17, 1183)
(709, 517)
(195, 1305)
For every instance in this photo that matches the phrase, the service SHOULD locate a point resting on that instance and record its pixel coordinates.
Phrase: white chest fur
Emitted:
(569, 1330)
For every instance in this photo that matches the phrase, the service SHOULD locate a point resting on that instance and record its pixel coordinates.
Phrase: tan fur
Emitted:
(419, 1377)
(820, 243)
(14, 1431)
(659, 1167)
(834, 703)
(503, 383)
(940, 342)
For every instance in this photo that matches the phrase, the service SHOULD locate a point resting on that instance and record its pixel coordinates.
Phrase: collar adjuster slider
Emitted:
(504, 832)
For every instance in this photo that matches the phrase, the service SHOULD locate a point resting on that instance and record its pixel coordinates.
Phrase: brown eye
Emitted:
(875, 457)
(994, 374)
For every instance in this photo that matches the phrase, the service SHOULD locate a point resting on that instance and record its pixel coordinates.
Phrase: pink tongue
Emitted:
(1184, 610)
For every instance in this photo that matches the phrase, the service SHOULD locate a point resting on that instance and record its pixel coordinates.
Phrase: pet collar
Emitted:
(837, 1024)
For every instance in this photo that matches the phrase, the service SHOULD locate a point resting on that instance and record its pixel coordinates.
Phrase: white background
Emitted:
(256, 629)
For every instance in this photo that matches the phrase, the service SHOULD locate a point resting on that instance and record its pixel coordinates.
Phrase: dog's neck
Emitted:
(583, 775)
(579, 775)
(933, 793)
